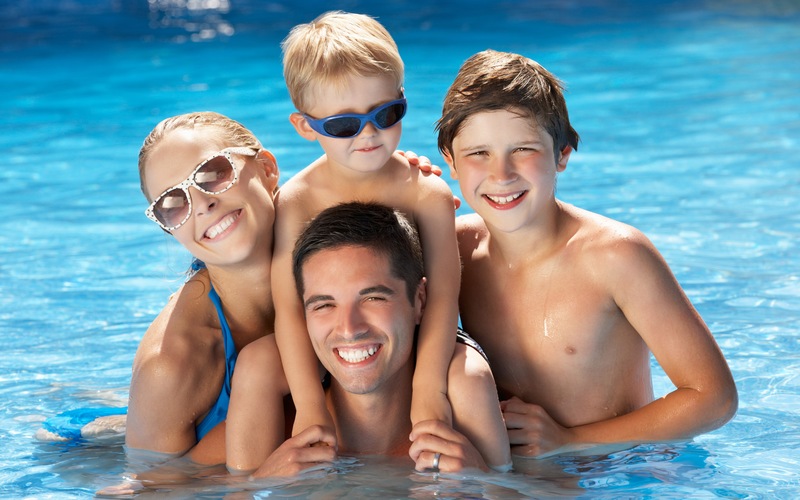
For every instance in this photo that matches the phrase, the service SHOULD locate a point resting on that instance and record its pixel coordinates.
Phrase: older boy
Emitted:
(345, 77)
(567, 303)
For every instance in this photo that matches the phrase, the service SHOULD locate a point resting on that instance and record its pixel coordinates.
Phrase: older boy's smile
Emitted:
(505, 202)
(357, 354)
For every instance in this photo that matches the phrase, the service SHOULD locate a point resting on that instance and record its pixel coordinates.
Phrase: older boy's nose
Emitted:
(502, 169)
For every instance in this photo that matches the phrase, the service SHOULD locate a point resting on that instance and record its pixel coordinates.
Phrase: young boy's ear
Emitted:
(450, 163)
(301, 125)
(563, 158)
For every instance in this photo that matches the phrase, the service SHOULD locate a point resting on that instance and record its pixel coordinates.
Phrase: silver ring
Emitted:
(435, 464)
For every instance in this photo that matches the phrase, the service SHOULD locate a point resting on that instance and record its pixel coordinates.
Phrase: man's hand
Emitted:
(301, 452)
(531, 430)
(455, 451)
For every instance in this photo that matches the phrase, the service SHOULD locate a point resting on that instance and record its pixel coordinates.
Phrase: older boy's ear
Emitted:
(301, 126)
(450, 163)
(563, 158)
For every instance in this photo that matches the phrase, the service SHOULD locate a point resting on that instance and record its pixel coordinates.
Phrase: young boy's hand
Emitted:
(532, 431)
(299, 453)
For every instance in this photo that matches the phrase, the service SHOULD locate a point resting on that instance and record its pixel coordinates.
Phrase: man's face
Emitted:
(359, 318)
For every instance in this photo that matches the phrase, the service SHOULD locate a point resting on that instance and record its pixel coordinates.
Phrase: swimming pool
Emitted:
(688, 114)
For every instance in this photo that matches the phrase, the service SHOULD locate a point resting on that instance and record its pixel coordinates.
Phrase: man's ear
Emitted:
(301, 126)
(450, 163)
(563, 158)
(270, 165)
(420, 298)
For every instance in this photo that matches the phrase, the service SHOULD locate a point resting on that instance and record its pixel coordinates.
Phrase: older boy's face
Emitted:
(372, 148)
(359, 318)
(505, 167)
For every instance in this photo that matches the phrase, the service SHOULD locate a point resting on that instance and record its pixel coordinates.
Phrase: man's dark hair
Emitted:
(370, 225)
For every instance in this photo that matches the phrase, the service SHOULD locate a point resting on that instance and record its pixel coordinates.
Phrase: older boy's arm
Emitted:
(299, 360)
(436, 339)
(705, 396)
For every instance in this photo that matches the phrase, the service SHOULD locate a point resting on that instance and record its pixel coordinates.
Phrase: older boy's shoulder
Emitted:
(607, 240)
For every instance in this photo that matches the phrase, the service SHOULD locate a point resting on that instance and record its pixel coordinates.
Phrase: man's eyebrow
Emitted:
(316, 298)
(385, 290)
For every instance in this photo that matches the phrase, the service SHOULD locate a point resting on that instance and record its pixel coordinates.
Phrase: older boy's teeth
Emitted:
(356, 355)
(217, 229)
(502, 200)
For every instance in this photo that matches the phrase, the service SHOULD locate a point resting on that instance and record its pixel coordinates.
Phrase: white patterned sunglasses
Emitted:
(217, 174)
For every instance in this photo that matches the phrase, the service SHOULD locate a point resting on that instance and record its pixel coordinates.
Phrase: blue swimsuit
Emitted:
(219, 411)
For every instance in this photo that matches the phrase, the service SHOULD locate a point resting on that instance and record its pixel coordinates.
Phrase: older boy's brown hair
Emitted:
(493, 81)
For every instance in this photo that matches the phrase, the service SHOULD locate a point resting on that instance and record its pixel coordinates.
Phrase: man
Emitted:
(358, 270)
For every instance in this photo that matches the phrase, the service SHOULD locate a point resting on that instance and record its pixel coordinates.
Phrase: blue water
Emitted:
(689, 114)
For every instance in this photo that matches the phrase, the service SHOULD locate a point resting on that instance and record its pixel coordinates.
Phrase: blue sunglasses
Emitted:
(351, 124)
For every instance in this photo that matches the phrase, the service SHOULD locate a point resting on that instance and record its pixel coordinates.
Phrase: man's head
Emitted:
(334, 47)
(493, 81)
(359, 272)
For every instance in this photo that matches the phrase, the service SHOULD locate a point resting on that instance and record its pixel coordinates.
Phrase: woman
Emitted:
(211, 185)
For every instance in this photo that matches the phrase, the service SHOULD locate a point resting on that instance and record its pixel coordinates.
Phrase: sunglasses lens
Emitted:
(171, 208)
(342, 127)
(390, 115)
(215, 175)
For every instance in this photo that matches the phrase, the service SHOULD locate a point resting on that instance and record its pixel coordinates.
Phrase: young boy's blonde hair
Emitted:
(334, 47)
(493, 81)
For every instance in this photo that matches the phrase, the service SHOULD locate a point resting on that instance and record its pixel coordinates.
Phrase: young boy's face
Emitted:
(506, 168)
(371, 148)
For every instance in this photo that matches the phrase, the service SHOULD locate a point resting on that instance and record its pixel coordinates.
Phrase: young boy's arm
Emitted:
(651, 299)
(436, 339)
(297, 354)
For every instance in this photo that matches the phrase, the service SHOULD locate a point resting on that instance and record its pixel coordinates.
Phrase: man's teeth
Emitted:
(502, 200)
(356, 355)
(224, 224)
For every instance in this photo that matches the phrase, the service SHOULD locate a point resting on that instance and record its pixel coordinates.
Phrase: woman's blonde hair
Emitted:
(232, 134)
(333, 47)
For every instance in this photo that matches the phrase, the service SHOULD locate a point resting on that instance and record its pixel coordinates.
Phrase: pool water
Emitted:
(689, 114)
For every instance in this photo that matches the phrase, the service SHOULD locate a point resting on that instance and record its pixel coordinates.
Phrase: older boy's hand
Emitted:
(299, 453)
(531, 430)
(423, 163)
(438, 447)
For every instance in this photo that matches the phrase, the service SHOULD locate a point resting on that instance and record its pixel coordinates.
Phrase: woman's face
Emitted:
(231, 227)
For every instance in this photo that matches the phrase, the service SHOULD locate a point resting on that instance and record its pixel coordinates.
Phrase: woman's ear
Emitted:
(301, 126)
(270, 165)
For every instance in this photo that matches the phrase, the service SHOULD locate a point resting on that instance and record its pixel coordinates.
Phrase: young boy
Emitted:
(566, 303)
(345, 77)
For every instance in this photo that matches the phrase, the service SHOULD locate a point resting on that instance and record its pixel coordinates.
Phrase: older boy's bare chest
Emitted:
(538, 324)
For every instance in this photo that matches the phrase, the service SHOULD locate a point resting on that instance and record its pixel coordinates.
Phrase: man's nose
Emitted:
(351, 322)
